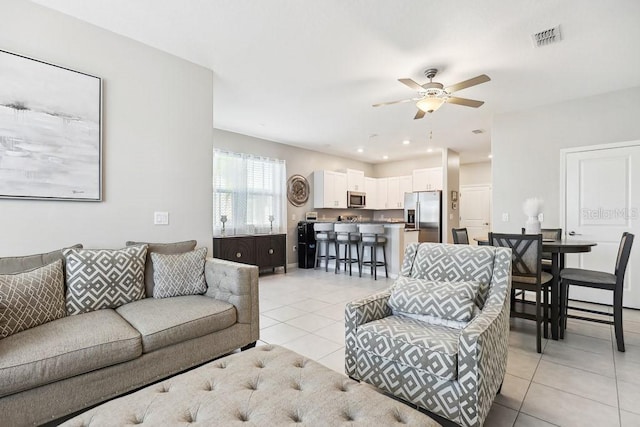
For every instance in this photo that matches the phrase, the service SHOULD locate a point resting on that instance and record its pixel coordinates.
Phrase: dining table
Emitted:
(558, 250)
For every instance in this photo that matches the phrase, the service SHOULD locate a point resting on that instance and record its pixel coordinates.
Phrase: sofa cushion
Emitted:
(31, 298)
(452, 263)
(179, 274)
(167, 321)
(408, 341)
(64, 348)
(160, 248)
(18, 264)
(447, 300)
(104, 278)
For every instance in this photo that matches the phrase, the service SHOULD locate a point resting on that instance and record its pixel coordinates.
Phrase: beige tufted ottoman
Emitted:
(265, 386)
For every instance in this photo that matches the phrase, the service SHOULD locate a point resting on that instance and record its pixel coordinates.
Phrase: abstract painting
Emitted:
(50, 131)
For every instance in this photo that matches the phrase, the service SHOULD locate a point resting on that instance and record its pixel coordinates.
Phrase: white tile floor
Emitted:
(579, 381)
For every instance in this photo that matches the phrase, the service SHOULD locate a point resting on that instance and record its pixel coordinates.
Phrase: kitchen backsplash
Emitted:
(362, 215)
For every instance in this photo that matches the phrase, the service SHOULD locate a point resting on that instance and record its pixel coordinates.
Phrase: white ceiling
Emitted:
(305, 72)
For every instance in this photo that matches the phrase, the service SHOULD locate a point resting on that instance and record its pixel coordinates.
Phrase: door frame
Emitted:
(563, 170)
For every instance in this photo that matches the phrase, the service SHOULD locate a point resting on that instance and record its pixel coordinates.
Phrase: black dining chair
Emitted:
(599, 280)
(460, 236)
(548, 234)
(527, 275)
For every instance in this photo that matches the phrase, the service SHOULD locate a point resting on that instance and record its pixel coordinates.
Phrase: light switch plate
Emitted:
(505, 217)
(161, 218)
(540, 217)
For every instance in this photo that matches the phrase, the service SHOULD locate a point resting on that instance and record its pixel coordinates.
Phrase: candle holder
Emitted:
(223, 220)
(271, 218)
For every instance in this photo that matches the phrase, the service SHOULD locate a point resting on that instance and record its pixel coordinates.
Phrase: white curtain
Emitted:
(248, 190)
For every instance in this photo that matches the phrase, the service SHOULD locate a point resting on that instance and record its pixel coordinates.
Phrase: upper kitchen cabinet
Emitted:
(355, 180)
(429, 179)
(397, 186)
(371, 191)
(330, 189)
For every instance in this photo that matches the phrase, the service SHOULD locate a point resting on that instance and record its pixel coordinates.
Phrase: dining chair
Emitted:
(599, 280)
(527, 274)
(460, 236)
(548, 234)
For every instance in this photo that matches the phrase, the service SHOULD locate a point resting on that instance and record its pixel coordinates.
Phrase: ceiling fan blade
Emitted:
(413, 85)
(464, 101)
(483, 78)
(396, 102)
(420, 114)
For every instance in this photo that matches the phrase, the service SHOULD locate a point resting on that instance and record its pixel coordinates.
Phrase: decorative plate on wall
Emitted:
(297, 190)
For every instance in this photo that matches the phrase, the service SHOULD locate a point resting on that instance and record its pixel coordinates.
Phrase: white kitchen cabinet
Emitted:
(329, 190)
(382, 193)
(355, 180)
(406, 186)
(429, 179)
(397, 186)
(371, 192)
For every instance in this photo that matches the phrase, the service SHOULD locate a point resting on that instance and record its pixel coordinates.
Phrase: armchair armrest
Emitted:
(358, 313)
(236, 284)
(484, 345)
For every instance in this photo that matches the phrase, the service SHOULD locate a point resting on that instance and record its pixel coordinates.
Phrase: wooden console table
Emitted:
(263, 250)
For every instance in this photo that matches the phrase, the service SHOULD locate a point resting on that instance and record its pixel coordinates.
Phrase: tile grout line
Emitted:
(615, 374)
(529, 385)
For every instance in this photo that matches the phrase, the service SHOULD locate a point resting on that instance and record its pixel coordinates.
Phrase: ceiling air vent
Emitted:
(477, 131)
(546, 37)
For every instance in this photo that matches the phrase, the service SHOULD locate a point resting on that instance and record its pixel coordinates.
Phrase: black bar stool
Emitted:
(347, 235)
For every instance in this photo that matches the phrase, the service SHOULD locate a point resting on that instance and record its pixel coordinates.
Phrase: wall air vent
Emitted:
(477, 131)
(546, 37)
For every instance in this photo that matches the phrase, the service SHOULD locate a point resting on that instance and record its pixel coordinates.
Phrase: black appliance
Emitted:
(306, 245)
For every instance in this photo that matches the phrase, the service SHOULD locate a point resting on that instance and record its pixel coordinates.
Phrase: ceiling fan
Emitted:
(434, 94)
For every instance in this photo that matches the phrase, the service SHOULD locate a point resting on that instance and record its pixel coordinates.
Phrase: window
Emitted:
(249, 191)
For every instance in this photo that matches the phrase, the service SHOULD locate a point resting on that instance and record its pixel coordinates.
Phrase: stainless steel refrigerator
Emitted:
(423, 211)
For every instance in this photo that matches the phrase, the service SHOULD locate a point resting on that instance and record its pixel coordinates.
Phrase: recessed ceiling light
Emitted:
(490, 156)
(429, 150)
(406, 142)
(385, 157)
(360, 150)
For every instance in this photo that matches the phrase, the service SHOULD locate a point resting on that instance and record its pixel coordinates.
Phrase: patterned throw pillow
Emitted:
(104, 278)
(31, 298)
(447, 300)
(179, 274)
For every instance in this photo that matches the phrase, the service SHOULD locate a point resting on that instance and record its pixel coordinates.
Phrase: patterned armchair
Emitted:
(454, 373)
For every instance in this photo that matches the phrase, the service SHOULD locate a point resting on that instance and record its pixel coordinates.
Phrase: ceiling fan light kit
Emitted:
(429, 104)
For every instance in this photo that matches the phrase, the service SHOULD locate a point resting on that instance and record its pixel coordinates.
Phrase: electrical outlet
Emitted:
(295, 248)
(161, 218)
(505, 217)
(294, 217)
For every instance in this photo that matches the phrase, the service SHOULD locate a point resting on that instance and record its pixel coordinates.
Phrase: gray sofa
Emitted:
(72, 363)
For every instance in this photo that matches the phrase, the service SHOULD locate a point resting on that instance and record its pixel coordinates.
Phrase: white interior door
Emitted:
(475, 210)
(602, 200)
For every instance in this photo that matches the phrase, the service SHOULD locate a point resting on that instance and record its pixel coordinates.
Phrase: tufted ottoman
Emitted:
(265, 386)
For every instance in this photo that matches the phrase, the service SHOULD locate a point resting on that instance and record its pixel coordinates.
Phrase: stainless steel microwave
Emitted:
(356, 199)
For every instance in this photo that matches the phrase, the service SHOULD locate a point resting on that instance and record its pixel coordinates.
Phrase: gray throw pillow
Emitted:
(446, 300)
(104, 278)
(180, 274)
(31, 298)
(160, 248)
(19, 264)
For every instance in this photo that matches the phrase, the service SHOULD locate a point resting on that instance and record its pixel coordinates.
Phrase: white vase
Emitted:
(532, 226)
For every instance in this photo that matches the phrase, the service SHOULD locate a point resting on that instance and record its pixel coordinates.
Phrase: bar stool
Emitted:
(347, 235)
(372, 236)
(324, 237)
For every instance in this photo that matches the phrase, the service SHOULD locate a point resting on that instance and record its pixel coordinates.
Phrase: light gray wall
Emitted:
(475, 173)
(405, 167)
(526, 149)
(450, 216)
(157, 129)
(299, 161)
